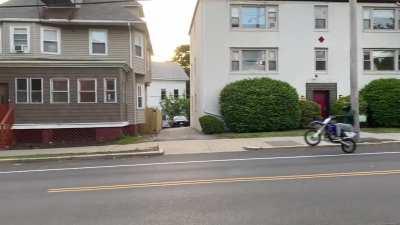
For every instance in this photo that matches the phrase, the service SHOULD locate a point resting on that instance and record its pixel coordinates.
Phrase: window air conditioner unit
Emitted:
(19, 48)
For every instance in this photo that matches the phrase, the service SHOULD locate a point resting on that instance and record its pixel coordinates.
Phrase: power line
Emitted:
(82, 3)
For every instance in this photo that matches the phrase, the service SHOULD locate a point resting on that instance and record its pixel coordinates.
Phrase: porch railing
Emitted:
(6, 122)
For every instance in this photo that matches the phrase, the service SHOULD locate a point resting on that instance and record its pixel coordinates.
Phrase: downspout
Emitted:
(131, 65)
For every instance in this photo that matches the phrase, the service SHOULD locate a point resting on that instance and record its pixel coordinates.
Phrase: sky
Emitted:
(168, 22)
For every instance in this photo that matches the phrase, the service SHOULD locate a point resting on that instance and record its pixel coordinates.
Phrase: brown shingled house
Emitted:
(72, 70)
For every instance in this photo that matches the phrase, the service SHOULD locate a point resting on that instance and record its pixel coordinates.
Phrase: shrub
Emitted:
(172, 106)
(343, 102)
(310, 111)
(383, 98)
(262, 104)
(211, 125)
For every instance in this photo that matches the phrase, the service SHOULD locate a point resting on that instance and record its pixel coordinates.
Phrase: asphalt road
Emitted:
(305, 186)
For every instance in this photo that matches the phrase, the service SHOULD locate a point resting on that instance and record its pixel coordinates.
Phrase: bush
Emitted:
(211, 125)
(383, 98)
(310, 111)
(258, 105)
(172, 106)
(343, 102)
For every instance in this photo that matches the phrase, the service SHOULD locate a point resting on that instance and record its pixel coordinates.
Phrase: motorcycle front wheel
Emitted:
(349, 146)
(311, 137)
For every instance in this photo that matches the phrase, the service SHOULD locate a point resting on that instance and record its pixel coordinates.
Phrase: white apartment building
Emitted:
(304, 43)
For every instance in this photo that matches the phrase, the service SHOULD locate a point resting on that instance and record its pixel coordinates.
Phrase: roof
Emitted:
(118, 12)
(359, 1)
(168, 71)
(108, 11)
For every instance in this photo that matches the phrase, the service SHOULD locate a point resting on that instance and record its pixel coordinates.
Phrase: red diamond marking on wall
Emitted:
(321, 39)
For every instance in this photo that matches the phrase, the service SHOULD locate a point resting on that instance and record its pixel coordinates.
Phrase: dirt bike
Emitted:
(334, 132)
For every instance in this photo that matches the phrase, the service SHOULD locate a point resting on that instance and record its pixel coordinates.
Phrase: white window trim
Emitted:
(16, 90)
(58, 30)
(240, 28)
(371, 29)
(142, 96)
(28, 90)
(28, 34)
(105, 90)
(326, 19)
(326, 60)
(373, 70)
(140, 34)
(52, 91)
(90, 42)
(266, 71)
(79, 90)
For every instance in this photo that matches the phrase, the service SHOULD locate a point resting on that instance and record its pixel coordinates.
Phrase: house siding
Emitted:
(67, 113)
(75, 47)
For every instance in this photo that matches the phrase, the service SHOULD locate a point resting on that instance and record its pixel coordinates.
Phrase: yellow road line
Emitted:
(223, 180)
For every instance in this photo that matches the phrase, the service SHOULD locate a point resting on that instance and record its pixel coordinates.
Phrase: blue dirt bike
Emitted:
(334, 132)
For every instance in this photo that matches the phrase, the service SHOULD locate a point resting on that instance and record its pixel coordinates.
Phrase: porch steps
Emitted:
(6, 122)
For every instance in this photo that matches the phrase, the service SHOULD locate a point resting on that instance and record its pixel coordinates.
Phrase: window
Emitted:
(321, 17)
(21, 90)
(254, 59)
(98, 42)
(367, 60)
(139, 45)
(381, 60)
(254, 16)
(59, 90)
(321, 59)
(19, 39)
(87, 91)
(110, 90)
(36, 89)
(176, 93)
(50, 40)
(140, 94)
(379, 19)
(29, 90)
(163, 94)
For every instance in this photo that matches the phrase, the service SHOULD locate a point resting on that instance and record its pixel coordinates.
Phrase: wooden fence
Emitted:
(153, 123)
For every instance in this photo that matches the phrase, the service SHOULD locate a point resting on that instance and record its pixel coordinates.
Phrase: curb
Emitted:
(159, 151)
(258, 148)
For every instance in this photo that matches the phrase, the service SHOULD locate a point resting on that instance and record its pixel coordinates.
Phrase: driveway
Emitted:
(181, 133)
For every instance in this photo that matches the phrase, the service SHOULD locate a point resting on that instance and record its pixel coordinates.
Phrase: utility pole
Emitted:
(354, 66)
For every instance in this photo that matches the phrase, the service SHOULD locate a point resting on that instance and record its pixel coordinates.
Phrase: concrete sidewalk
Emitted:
(80, 150)
(198, 146)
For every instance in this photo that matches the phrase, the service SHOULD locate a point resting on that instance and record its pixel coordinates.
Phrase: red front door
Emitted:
(322, 98)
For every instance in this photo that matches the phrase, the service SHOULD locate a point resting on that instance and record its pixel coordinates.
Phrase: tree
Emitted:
(182, 57)
(172, 106)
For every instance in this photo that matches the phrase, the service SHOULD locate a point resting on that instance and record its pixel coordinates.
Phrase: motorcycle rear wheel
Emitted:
(349, 146)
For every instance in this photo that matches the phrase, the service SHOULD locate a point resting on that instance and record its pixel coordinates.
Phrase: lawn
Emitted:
(290, 133)
(126, 140)
(382, 130)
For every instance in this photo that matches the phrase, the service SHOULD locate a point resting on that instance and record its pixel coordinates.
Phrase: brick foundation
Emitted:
(76, 135)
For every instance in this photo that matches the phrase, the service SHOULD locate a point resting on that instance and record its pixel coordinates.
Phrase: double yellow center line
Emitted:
(223, 180)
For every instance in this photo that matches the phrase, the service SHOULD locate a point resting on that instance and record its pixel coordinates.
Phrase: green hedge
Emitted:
(383, 99)
(261, 104)
(310, 111)
(211, 125)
